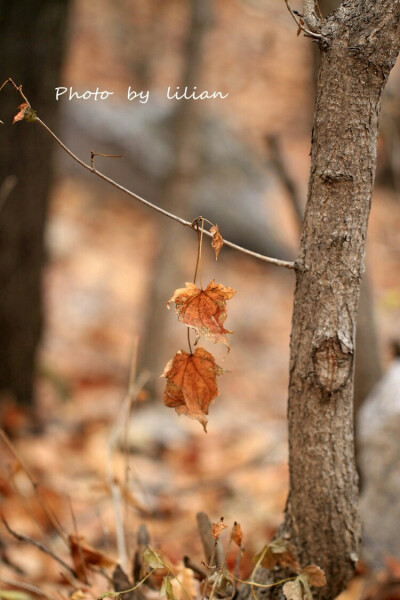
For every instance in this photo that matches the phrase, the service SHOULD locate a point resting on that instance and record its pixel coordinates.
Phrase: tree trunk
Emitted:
(31, 49)
(362, 40)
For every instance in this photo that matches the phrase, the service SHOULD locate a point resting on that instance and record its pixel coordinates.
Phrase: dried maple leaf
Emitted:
(237, 534)
(279, 552)
(204, 310)
(192, 383)
(84, 555)
(217, 241)
(218, 528)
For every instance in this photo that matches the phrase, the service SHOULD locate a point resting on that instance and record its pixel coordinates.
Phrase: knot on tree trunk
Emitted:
(333, 364)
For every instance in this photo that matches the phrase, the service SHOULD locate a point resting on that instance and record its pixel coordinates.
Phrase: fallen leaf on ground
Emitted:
(204, 310)
(84, 555)
(192, 383)
(217, 240)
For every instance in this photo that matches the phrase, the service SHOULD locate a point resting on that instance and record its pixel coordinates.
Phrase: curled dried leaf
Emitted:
(204, 310)
(192, 383)
(315, 576)
(217, 241)
(26, 113)
(279, 552)
(84, 555)
(218, 528)
(237, 534)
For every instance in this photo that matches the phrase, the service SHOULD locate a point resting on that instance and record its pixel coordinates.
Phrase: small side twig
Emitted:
(47, 509)
(198, 569)
(93, 154)
(89, 167)
(299, 24)
(24, 538)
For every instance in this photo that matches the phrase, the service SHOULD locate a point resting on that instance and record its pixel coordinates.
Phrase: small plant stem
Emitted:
(261, 585)
(117, 594)
(188, 338)
(197, 270)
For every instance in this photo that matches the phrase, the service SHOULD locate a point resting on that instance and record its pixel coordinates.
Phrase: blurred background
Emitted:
(86, 272)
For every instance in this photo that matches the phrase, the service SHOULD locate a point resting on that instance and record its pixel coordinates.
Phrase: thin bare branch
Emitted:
(25, 538)
(28, 587)
(47, 509)
(91, 169)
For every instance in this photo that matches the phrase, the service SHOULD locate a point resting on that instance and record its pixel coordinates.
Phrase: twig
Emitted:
(27, 587)
(93, 154)
(24, 538)
(198, 569)
(47, 509)
(267, 259)
(298, 22)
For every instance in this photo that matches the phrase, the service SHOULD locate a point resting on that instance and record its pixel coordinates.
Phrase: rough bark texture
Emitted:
(31, 48)
(362, 40)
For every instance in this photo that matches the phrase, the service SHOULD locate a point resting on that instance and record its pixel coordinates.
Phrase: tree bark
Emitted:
(360, 45)
(31, 50)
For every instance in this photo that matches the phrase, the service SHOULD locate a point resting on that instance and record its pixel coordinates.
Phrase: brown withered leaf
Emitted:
(21, 114)
(25, 113)
(218, 528)
(279, 552)
(237, 534)
(192, 383)
(84, 555)
(217, 241)
(315, 576)
(204, 310)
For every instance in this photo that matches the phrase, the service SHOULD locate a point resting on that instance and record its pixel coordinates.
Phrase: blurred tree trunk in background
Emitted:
(32, 41)
(176, 190)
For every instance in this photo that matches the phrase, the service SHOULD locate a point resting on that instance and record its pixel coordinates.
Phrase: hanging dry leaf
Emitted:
(204, 310)
(192, 383)
(84, 555)
(279, 552)
(237, 534)
(315, 576)
(25, 113)
(218, 528)
(217, 241)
